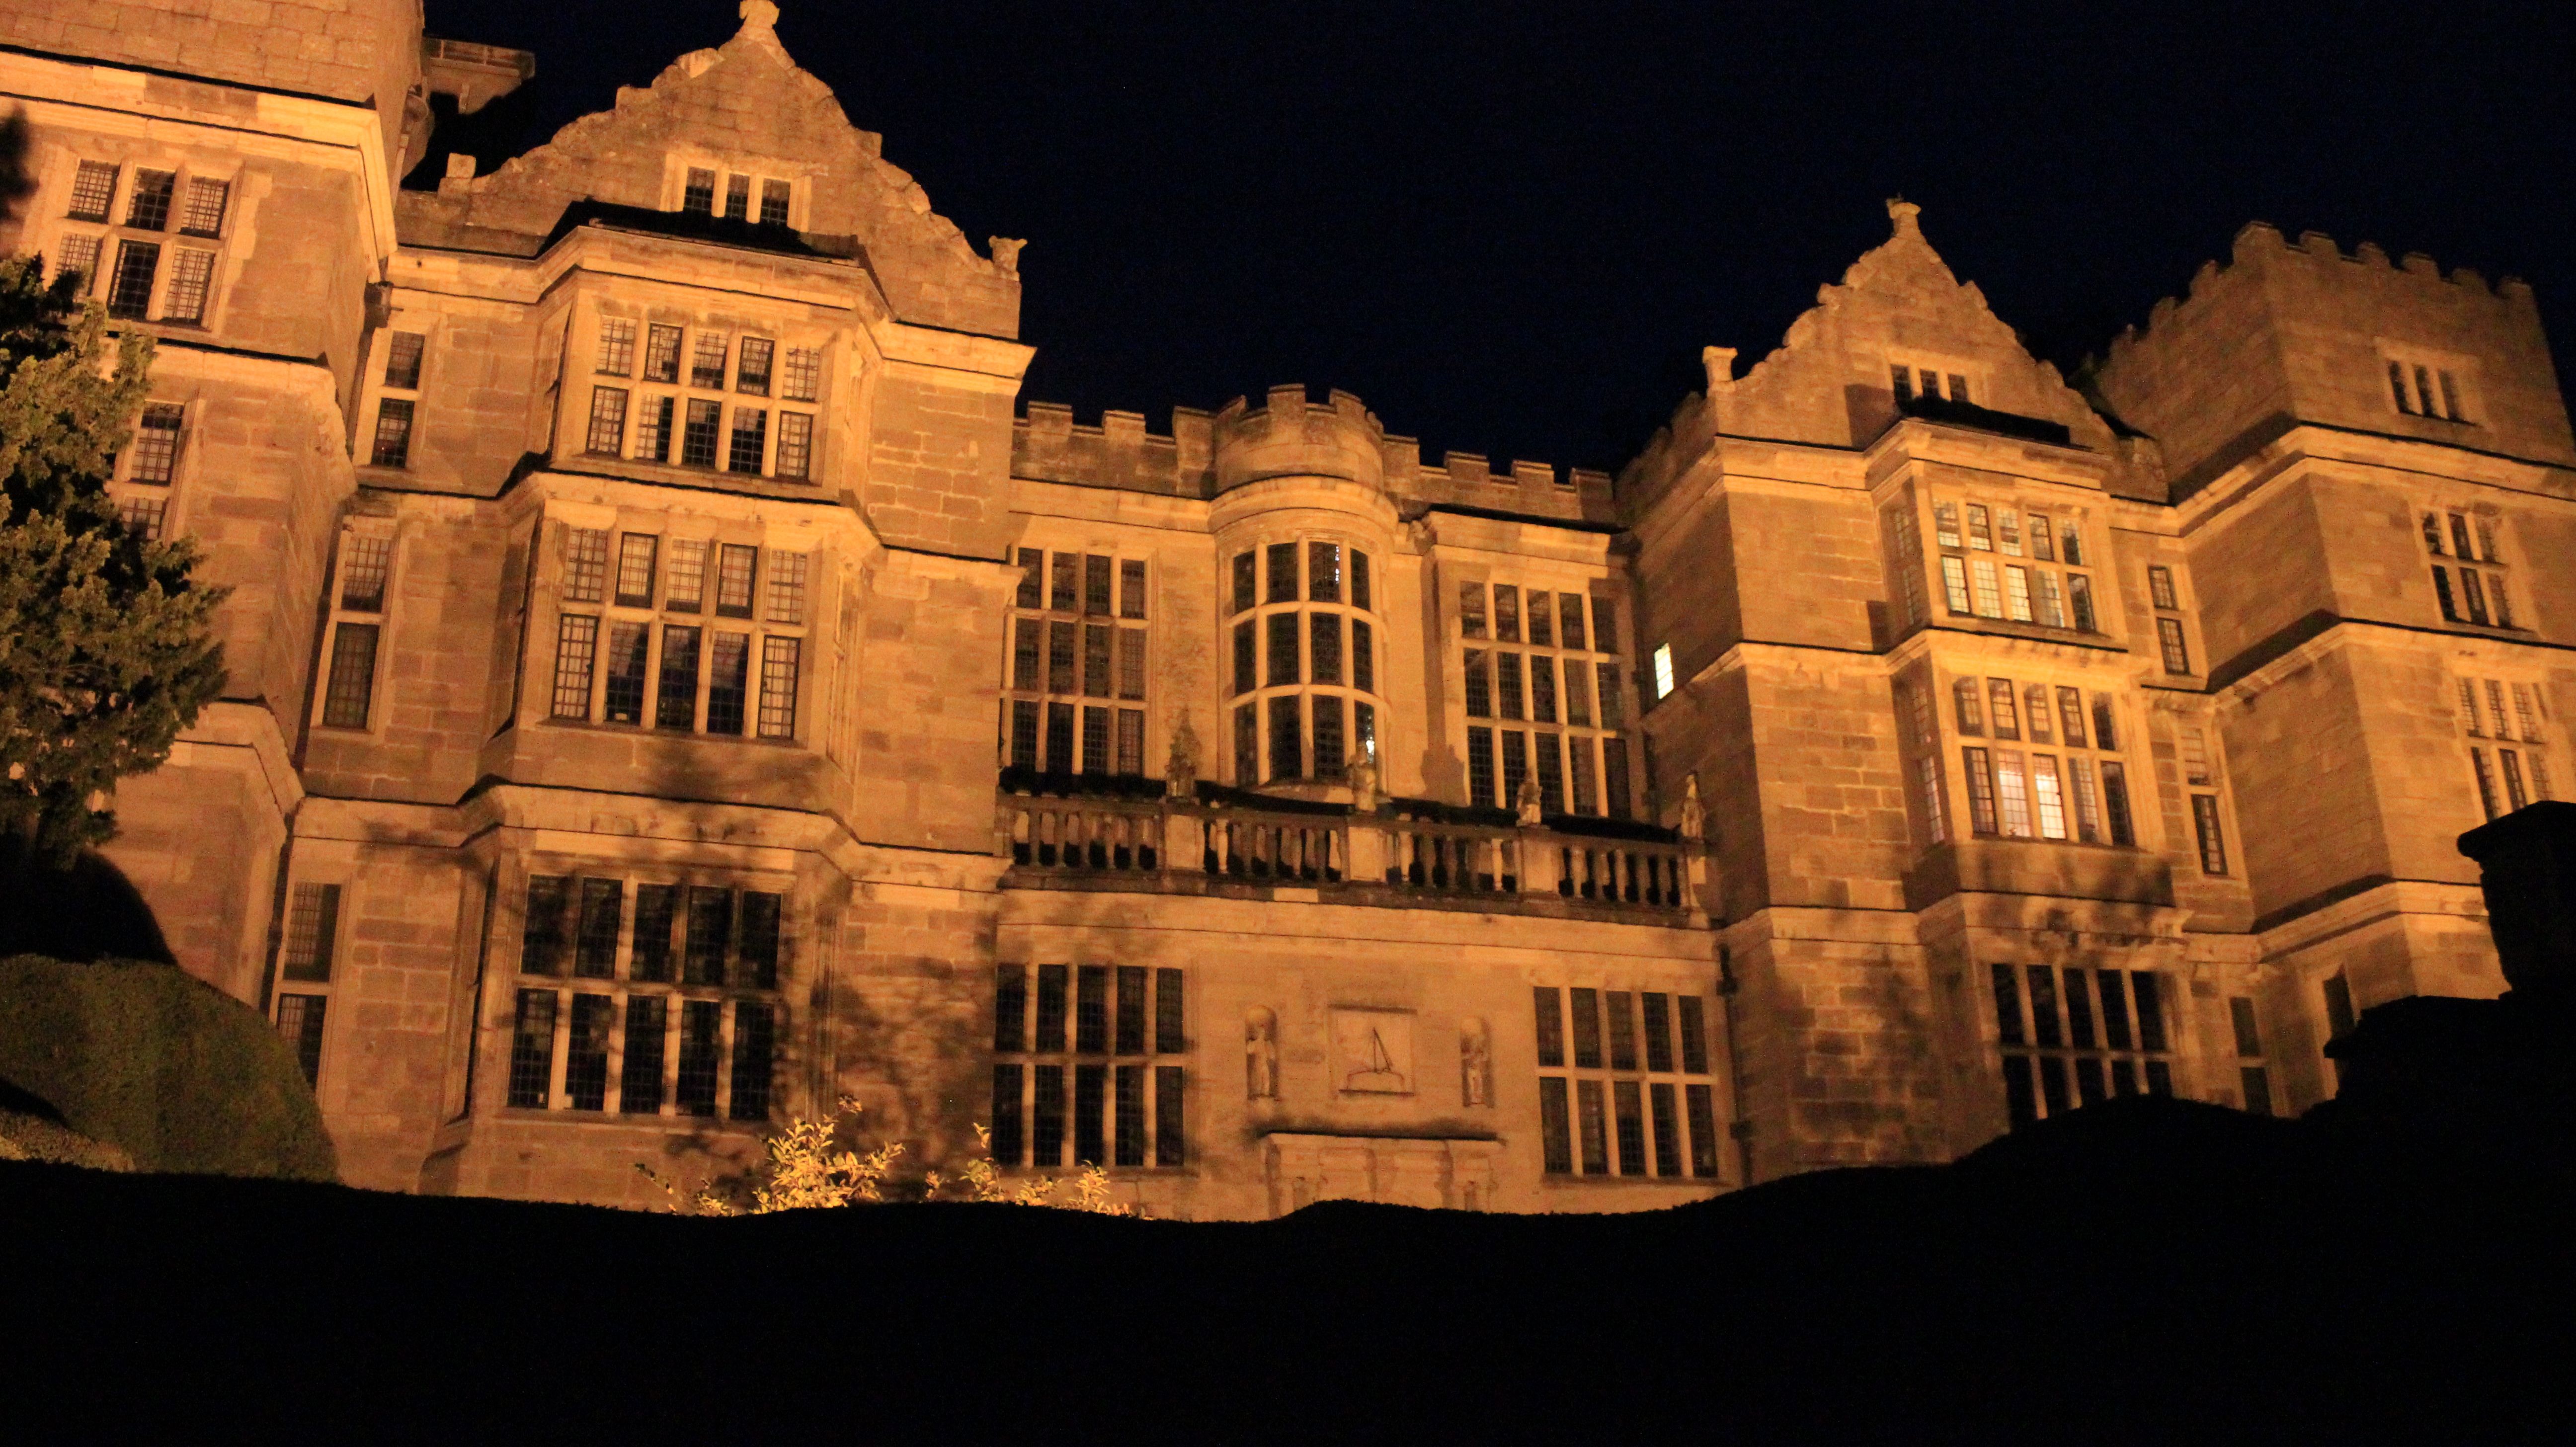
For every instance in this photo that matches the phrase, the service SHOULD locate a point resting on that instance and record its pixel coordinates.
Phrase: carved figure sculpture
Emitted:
(1363, 777)
(1527, 801)
(1006, 254)
(1475, 1063)
(1694, 816)
(1260, 1055)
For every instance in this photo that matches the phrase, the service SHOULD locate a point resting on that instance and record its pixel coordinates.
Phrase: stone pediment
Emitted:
(741, 107)
(1829, 381)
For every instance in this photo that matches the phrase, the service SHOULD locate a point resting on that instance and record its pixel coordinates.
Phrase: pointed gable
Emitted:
(1830, 381)
(743, 108)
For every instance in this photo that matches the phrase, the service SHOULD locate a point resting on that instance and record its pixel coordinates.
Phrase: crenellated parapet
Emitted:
(1291, 436)
(2284, 333)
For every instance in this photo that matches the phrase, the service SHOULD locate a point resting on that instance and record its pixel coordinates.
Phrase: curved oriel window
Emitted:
(1304, 676)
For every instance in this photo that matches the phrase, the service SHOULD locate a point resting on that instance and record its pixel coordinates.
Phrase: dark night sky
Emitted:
(1510, 228)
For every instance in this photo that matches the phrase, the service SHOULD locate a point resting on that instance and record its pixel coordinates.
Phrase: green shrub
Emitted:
(142, 1056)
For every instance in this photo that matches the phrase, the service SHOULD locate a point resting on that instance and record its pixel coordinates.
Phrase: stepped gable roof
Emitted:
(1827, 380)
(746, 105)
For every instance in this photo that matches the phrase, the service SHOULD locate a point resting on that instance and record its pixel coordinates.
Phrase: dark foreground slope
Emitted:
(2146, 1270)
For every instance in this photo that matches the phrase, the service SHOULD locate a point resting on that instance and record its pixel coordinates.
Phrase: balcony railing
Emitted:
(1405, 848)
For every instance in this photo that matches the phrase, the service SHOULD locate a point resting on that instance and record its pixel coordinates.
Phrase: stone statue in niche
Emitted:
(1475, 1063)
(1260, 1055)
(1181, 770)
(1527, 802)
(1694, 816)
(1363, 777)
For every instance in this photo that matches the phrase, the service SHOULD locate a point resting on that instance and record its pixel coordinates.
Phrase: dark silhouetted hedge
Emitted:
(142, 1056)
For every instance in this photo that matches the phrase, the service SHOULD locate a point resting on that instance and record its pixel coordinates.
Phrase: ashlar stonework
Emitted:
(679, 683)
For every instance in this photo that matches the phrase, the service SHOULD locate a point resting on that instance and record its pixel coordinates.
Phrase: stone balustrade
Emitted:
(1404, 849)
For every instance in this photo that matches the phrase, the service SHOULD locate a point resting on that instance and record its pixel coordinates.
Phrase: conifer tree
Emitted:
(106, 648)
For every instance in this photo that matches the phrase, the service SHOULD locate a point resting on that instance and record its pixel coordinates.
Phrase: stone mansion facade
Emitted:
(676, 683)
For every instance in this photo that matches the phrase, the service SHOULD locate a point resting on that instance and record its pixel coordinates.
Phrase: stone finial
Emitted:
(459, 177)
(1720, 365)
(1006, 249)
(1903, 212)
(758, 15)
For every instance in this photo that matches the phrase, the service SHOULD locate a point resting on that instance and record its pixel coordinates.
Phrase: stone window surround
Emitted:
(1258, 542)
(580, 370)
(1158, 1052)
(279, 986)
(801, 179)
(1939, 588)
(545, 629)
(1116, 619)
(1594, 589)
(2492, 537)
(382, 529)
(1952, 737)
(49, 223)
(500, 1008)
(2477, 687)
(124, 490)
(2151, 1070)
(2171, 716)
(1640, 1071)
(1950, 369)
(374, 391)
(2454, 374)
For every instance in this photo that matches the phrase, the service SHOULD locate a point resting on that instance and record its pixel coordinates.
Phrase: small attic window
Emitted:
(1909, 380)
(773, 203)
(700, 197)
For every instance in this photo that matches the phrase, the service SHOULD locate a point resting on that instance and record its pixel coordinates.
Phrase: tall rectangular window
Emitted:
(2177, 657)
(801, 380)
(351, 689)
(1287, 747)
(653, 429)
(2213, 843)
(1283, 649)
(93, 188)
(1555, 1136)
(661, 353)
(735, 566)
(701, 1056)
(676, 702)
(1324, 572)
(754, 1047)
(710, 935)
(795, 446)
(728, 682)
(1169, 1104)
(1479, 689)
(1324, 647)
(2079, 599)
(532, 1050)
(1471, 610)
(129, 292)
(393, 433)
(192, 274)
(1329, 736)
(779, 658)
(1981, 791)
(639, 1083)
(1359, 579)
(1480, 767)
(602, 905)
(1547, 1004)
(1282, 570)
(750, 442)
(312, 933)
(699, 432)
(751, 368)
(403, 352)
(576, 644)
(1090, 1100)
(636, 555)
(657, 911)
(586, 1053)
(684, 583)
(622, 699)
(616, 347)
(607, 421)
(707, 360)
